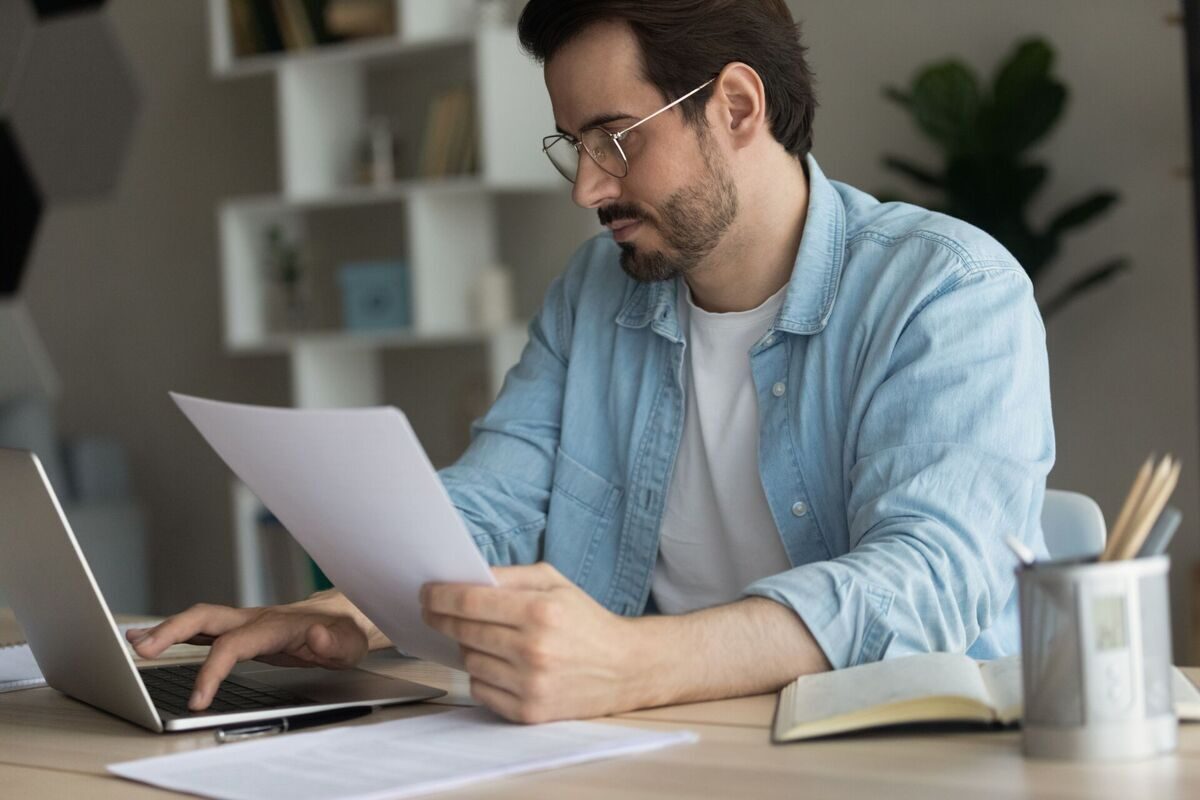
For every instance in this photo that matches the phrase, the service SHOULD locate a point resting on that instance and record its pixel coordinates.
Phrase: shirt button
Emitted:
(770, 340)
(778, 389)
(799, 509)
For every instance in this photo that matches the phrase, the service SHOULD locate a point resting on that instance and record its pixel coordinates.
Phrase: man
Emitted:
(793, 421)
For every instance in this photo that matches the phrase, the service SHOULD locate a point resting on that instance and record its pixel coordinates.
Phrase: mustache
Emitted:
(617, 211)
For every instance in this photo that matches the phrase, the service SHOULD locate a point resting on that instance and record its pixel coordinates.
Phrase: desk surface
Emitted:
(52, 746)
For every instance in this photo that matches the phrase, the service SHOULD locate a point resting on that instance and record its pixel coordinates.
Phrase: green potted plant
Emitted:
(988, 176)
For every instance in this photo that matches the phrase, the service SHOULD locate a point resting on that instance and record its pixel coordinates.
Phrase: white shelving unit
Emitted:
(443, 229)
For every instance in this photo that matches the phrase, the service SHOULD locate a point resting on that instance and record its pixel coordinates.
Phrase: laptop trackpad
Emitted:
(334, 685)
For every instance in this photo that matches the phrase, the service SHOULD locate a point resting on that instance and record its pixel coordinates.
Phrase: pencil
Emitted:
(1149, 513)
(1131, 502)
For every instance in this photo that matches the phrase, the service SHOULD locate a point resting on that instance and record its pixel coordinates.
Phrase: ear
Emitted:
(740, 103)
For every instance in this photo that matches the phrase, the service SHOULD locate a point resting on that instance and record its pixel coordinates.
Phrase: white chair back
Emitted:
(1073, 525)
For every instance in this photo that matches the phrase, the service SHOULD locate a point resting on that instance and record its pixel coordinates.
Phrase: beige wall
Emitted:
(126, 291)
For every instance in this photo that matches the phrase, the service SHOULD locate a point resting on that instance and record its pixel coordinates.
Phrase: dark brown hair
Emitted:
(686, 42)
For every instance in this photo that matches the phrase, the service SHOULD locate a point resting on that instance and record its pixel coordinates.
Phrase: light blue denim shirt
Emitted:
(904, 405)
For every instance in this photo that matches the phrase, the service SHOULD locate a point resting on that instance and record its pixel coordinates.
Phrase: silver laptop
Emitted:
(80, 651)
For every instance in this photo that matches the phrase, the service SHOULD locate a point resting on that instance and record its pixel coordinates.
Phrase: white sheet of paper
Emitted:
(356, 490)
(395, 759)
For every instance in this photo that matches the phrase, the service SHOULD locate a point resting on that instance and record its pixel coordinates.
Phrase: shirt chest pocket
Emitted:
(583, 505)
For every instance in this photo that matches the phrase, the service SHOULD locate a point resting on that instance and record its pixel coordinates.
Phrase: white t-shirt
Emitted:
(717, 534)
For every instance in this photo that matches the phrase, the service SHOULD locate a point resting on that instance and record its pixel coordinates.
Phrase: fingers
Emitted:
(534, 576)
(242, 644)
(339, 645)
(506, 704)
(280, 638)
(199, 620)
(516, 606)
(511, 706)
(481, 603)
(499, 640)
(301, 659)
(135, 635)
(492, 670)
(202, 639)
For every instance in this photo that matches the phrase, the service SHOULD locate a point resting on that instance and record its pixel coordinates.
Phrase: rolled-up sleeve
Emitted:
(953, 440)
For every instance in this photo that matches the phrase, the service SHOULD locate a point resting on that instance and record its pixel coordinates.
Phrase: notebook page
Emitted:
(828, 695)
(1003, 679)
(394, 759)
(1187, 696)
(18, 669)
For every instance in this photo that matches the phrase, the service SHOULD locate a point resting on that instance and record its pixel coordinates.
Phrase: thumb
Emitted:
(541, 576)
(338, 645)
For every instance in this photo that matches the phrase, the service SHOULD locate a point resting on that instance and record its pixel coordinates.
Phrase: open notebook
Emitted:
(935, 687)
(18, 670)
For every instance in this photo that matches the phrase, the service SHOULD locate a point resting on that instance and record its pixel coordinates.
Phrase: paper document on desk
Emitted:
(395, 759)
(356, 490)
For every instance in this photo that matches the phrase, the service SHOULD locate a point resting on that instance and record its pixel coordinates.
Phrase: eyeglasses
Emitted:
(602, 146)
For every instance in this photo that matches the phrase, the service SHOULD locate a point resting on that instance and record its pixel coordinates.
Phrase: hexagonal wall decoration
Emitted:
(75, 106)
(20, 210)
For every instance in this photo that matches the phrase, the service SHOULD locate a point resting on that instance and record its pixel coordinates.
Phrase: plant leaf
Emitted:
(1024, 120)
(1025, 99)
(1028, 66)
(989, 186)
(1090, 280)
(1027, 179)
(945, 102)
(913, 171)
(1081, 212)
(994, 184)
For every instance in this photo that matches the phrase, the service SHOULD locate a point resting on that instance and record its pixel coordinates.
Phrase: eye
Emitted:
(632, 140)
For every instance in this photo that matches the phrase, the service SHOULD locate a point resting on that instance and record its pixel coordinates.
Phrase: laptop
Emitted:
(82, 654)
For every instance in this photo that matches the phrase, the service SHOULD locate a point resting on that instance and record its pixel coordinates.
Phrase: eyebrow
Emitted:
(596, 121)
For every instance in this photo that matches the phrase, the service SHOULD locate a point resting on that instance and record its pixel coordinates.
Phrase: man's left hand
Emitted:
(537, 647)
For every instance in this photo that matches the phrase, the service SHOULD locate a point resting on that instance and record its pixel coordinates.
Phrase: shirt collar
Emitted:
(811, 290)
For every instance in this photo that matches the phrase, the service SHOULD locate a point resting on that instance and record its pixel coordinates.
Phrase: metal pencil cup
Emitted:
(1096, 659)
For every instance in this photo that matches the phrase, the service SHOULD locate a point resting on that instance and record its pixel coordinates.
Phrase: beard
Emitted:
(692, 222)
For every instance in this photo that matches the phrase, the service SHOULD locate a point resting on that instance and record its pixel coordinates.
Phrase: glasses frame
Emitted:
(616, 138)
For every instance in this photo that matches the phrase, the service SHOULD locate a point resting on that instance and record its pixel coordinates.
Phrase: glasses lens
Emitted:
(605, 152)
(562, 155)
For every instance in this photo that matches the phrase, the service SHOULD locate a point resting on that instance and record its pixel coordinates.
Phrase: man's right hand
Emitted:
(323, 631)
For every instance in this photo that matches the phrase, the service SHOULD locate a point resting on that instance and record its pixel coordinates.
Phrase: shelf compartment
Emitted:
(422, 26)
(445, 237)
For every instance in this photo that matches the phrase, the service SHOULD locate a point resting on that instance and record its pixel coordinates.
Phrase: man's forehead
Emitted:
(595, 76)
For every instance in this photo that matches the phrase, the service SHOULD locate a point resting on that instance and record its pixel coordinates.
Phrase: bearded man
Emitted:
(764, 425)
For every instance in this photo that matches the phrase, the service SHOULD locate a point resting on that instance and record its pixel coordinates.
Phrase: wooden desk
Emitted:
(52, 746)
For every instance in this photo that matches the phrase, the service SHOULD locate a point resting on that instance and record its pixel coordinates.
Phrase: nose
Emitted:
(593, 186)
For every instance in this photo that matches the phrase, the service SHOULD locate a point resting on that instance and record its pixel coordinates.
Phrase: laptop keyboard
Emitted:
(170, 687)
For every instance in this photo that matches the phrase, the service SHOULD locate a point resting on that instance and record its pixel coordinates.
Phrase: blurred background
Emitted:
(328, 202)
